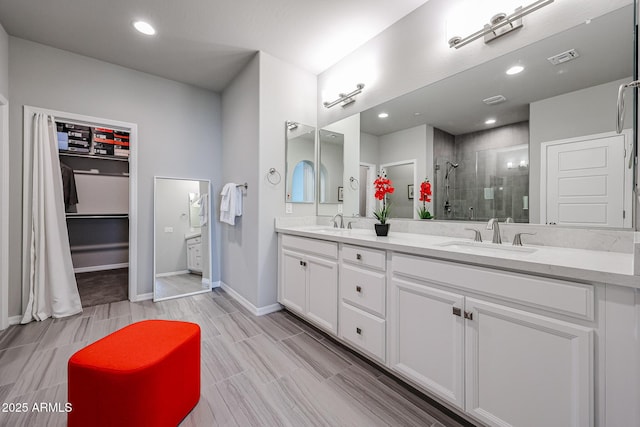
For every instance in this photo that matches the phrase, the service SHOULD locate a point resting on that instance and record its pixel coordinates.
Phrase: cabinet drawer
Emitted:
(365, 257)
(318, 247)
(363, 330)
(194, 240)
(364, 288)
(569, 298)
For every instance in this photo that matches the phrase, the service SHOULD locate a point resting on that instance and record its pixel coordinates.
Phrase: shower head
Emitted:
(450, 168)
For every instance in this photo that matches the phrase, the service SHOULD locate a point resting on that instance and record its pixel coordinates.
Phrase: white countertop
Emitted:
(192, 235)
(581, 265)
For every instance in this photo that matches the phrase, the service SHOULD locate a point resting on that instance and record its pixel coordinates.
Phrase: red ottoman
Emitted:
(145, 374)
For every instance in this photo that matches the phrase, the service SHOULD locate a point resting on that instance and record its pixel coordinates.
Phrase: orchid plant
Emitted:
(383, 186)
(425, 196)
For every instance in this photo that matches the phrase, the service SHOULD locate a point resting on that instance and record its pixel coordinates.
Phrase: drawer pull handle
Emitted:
(457, 311)
(358, 331)
(303, 263)
(468, 315)
(358, 256)
(358, 288)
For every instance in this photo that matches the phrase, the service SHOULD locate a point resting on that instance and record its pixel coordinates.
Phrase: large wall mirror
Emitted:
(331, 173)
(182, 247)
(529, 135)
(300, 163)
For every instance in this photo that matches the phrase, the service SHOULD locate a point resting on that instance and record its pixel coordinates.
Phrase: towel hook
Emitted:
(274, 176)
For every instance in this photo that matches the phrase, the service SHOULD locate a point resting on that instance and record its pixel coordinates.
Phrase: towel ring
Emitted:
(354, 183)
(274, 176)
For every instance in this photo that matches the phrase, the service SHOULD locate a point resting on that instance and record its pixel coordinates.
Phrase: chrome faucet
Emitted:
(493, 225)
(335, 223)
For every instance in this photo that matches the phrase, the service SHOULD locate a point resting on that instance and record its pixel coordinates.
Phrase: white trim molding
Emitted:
(258, 311)
(105, 267)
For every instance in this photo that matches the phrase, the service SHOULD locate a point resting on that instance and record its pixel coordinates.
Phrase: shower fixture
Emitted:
(499, 25)
(450, 168)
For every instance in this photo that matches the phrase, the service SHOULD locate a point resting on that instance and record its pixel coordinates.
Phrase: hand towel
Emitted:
(204, 209)
(228, 203)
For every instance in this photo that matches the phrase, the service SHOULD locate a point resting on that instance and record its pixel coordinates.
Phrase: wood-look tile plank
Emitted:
(207, 325)
(352, 357)
(225, 304)
(66, 332)
(18, 335)
(236, 326)
(268, 360)
(119, 309)
(274, 330)
(320, 359)
(219, 361)
(52, 414)
(46, 368)
(208, 305)
(364, 390)
(247, 404)
(210, 411)
(310, 330)
(444, 417)
(13, 361)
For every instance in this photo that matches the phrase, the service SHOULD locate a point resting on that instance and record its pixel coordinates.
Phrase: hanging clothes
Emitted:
(69, 188)
(53, 291)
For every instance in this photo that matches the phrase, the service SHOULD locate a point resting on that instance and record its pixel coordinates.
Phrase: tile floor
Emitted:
(273, 370)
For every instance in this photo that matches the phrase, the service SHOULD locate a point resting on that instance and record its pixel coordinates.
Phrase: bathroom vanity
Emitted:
(521, 336)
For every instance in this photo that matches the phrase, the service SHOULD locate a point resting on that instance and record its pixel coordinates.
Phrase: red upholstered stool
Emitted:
(146, 374)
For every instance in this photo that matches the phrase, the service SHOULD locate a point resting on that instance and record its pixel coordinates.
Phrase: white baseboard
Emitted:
(100, 267)
(206, 282)
(15, 320)
(258, 311)
(142, 297)
(173, 273)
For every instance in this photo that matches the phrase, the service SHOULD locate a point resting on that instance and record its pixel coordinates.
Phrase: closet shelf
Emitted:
(95, 216)
(99, 247)
(95, 156)
(83, 172)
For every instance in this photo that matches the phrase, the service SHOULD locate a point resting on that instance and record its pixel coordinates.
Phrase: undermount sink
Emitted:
(486, 248)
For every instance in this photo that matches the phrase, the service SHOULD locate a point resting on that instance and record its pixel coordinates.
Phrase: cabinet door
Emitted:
(525, 370)
(322, 292)
(426, 338)
(294, 280)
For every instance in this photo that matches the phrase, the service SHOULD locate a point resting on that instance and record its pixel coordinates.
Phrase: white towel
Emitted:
(204, 209)
(231, 203)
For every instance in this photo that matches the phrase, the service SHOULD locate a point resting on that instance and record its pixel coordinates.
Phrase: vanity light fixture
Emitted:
(383, 115)
(292, 126)
(516, 69)
(144, 27)
(490, 121)
(345, 98)
(499, 25)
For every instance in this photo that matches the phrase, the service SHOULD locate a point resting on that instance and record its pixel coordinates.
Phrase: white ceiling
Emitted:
(204, 42)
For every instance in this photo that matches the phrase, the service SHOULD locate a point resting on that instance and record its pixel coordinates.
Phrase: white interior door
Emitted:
(586, 181)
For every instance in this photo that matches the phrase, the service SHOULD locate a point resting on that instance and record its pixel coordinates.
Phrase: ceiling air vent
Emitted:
(492, 100)
(563, 57)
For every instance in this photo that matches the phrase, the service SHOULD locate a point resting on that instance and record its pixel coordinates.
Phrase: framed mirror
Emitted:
(331, 173)
(300, 163)
(182, 246)
(525, 134)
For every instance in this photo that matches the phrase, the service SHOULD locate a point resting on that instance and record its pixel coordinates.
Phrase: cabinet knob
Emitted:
(358, 288)
(358, 256)
(358, 331)
(303, 263)
(468, 315)
(457, 311)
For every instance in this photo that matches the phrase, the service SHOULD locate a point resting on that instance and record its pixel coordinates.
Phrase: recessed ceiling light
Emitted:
(383, 115)
(144, 28)
(515, 70)
(417, 113)
(490, 121)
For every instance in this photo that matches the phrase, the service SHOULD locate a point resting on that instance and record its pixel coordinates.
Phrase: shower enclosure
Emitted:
(484, 184)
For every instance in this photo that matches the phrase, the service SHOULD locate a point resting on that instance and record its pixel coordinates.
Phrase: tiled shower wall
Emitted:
(492, 179)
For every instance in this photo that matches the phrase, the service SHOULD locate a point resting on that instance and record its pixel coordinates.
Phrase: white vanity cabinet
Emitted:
(308, 282)
(451, 333)
(194, 254)
(362, 299)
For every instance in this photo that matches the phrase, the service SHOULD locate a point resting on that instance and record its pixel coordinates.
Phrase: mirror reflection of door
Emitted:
(300, 155)
(403, 176)
(182, 260)
(331, 166)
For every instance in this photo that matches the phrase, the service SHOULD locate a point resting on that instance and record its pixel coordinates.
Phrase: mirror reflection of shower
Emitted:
(450, 167)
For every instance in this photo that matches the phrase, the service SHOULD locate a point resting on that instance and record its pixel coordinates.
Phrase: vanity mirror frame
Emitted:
(204, 233)
(628, 70)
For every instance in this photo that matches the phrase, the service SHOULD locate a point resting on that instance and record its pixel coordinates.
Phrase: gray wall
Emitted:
(4, 63)
(583, 112)
(413, 52)
(179, 129)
